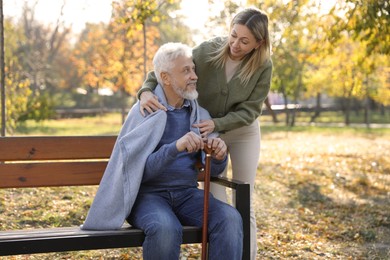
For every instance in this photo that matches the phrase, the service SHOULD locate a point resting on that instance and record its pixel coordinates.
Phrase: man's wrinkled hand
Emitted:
(218, 146)
(190, 142)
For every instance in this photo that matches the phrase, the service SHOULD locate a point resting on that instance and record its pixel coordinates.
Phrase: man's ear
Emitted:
(165, 78)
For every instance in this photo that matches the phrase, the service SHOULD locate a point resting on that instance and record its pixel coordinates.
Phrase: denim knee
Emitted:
(165, 231)
(226, 235)
(232, 222)
(162, 241)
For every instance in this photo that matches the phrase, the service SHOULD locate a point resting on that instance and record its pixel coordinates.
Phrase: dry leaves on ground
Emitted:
(322, 196)
(317, 196)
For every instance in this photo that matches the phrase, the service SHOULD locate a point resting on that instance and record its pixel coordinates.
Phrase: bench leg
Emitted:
(243, 206)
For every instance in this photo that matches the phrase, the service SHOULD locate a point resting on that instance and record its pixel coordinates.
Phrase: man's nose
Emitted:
(193, 75)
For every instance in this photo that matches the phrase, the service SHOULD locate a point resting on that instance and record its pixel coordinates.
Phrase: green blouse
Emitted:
(231, 105)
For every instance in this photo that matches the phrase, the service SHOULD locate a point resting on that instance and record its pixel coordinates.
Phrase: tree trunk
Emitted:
(2, 72)
(293, 114)
(122, 87)
(367, 112)
(296, 95)
(347, 111)
(123, 105)
(145, 51)
(382, 110)
(317, 111)
(367, 105)
(285, 99)
(269, 107)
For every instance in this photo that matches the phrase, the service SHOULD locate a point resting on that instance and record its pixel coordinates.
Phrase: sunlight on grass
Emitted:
(334, 117)
(108, 124)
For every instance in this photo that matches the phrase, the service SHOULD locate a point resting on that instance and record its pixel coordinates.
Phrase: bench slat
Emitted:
(28, 175)
(73, 239)
(51, 174)
(59, 147)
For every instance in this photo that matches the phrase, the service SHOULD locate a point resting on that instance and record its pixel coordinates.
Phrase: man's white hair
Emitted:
(165, 56)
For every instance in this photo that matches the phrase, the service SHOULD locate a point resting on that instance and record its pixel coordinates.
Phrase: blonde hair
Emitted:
(257, 22)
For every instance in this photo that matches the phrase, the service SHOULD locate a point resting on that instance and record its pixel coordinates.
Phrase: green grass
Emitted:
(271, 128)
(335, 117)
(110, 124)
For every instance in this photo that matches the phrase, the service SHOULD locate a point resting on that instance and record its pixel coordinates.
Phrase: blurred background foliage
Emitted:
(340, 54)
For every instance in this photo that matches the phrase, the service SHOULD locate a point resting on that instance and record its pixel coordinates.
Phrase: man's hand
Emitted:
(219, 148)
(190, 142)
(150, 102)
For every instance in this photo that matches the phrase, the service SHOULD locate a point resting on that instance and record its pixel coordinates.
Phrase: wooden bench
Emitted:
(76, 161)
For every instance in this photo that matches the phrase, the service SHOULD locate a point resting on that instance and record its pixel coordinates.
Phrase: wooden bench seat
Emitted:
(78, 161)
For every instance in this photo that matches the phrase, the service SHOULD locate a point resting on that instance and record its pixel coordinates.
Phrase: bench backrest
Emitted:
(48, 161)
(53, 160)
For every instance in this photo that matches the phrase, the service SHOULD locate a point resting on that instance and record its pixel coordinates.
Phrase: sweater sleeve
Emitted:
(218, 166)
(166, 155)
(149, 84)
(159, 160)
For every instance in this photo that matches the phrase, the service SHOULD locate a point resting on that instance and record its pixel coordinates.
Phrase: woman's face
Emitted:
(241, 42)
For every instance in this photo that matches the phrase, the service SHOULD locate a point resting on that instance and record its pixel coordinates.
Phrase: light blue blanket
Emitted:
(119, 186)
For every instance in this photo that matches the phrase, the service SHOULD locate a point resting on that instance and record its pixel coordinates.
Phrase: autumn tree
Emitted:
(318, 69)
(16, 83)
(114, 55)
(171, 26)
(134, 28)
(293, 29)
(310, 63)
(380, 83)
(90, 55)
(366, 24)
(366, 21)
(38, 50)
(134, 16)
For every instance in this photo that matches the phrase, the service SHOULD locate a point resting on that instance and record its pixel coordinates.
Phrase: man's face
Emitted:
(183, 78)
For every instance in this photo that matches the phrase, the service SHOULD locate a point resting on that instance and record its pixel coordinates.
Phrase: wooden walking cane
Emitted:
(208, 152)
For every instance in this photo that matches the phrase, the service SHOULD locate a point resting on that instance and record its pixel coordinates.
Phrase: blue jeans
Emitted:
(161, 216)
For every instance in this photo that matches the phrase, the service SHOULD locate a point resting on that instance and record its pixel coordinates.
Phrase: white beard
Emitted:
(186, 94)
(191, 95)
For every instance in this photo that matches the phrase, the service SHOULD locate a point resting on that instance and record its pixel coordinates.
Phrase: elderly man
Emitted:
(165, 177)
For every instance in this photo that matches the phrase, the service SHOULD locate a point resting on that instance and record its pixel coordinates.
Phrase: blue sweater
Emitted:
(167, 168)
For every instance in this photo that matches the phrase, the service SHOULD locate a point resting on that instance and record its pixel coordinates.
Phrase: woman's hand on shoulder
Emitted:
(150, 103)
